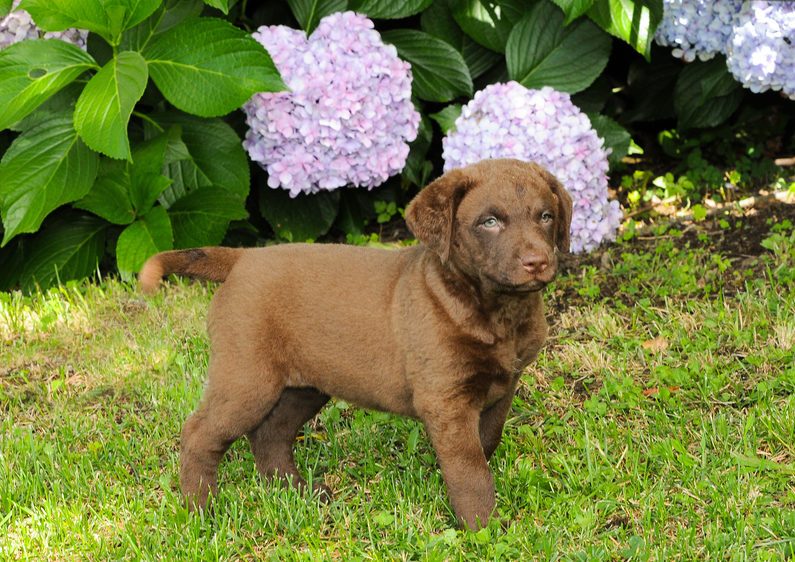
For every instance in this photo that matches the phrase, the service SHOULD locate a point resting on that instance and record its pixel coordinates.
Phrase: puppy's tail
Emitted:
(212, 264)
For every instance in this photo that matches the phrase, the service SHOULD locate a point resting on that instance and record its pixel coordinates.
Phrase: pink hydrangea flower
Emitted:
(18, 26)
(348, 117)
(543, 126)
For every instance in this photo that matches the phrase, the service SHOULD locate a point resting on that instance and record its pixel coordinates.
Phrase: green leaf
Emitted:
(208, 153)
(310, 12)
(541, 52)
(616, 137)
(69, 247)
(489, 22)
(169, 14)
(388, 9)
(109, 197)
(299, 219)
(438, 21)
(573, 9)
(145, 189)
(106, 18)
(45, 167)
(417, 169)
(446, 117)
(633, 21)
(32, 71)
(208, 67)
(103, 109)
(706, 94)
(439, 71)
(202, 217)
(5, 7)
(145, 237)
(222, 5)
(124, 189)
(355, 210)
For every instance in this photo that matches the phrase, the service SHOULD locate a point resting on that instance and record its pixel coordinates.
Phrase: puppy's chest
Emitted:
(494, 370)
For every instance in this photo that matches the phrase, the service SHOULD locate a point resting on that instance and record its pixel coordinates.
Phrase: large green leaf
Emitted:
(541, 52)
(633, 21)
(127, 189)
(206, 153)
(143, 238)
(439, 71)
(32, 71)
(388, 9)
(208, 67)
(45, 167)
(310, 12)
(299, 219)
(616, 137)
(418, 169)
(438, 21)
(169, 14)
(69, 247)
(106, 18)
(109, 197)
(706, 94)
(202, 217)
(222, 5)
(5, 7)
(489, 22)
(573, 9)
(446, 117)
(104, 108)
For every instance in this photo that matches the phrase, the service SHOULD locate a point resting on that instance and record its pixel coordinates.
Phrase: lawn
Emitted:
(658, 423)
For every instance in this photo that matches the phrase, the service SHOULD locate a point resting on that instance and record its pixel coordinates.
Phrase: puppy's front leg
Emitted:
(454, 433)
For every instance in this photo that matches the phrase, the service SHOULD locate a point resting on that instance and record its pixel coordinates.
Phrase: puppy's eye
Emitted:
(490, 222)
(546, 216)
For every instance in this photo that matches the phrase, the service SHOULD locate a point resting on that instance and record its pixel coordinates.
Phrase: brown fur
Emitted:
(440, 332)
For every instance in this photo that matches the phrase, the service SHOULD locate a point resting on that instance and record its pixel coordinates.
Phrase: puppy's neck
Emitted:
(487, 316)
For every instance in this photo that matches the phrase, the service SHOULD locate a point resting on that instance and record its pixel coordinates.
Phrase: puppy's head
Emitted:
(500, 222)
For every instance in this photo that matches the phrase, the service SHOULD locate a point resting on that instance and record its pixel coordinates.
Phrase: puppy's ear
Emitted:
(562, 235)
(431, 215)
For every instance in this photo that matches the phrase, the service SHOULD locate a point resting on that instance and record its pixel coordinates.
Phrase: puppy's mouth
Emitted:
(508, 287)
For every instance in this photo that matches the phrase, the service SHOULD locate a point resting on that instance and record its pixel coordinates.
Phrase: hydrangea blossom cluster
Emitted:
(697, 28)
(348, 116)
(761, 53)
(18, 26)
(543, 126)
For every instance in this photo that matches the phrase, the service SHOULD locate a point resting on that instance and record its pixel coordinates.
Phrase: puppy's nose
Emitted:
(535, 263)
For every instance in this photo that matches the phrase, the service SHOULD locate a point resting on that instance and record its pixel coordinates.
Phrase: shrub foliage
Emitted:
(133, 145)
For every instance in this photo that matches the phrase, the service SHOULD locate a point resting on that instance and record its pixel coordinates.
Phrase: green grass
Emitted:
(659, 424)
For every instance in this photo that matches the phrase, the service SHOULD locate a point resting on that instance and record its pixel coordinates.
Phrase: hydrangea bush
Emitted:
(543, 126)
(18, 26)
(348, 117)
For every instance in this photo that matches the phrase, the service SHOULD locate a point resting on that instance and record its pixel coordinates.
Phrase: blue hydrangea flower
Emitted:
(18, 26)
(697, 28)
(761, 53)
(348, 117)
(543, 126)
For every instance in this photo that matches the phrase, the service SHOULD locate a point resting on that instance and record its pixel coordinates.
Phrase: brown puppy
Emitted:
(440, 331)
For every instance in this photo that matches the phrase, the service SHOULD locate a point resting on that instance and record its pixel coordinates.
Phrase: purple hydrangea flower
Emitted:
(348, 116)
(697, 28)
(18, 26)
(761, 53)
(543, 126)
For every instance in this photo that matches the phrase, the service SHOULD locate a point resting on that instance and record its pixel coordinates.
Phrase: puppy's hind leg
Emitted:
(272, 441)
(238, 397)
